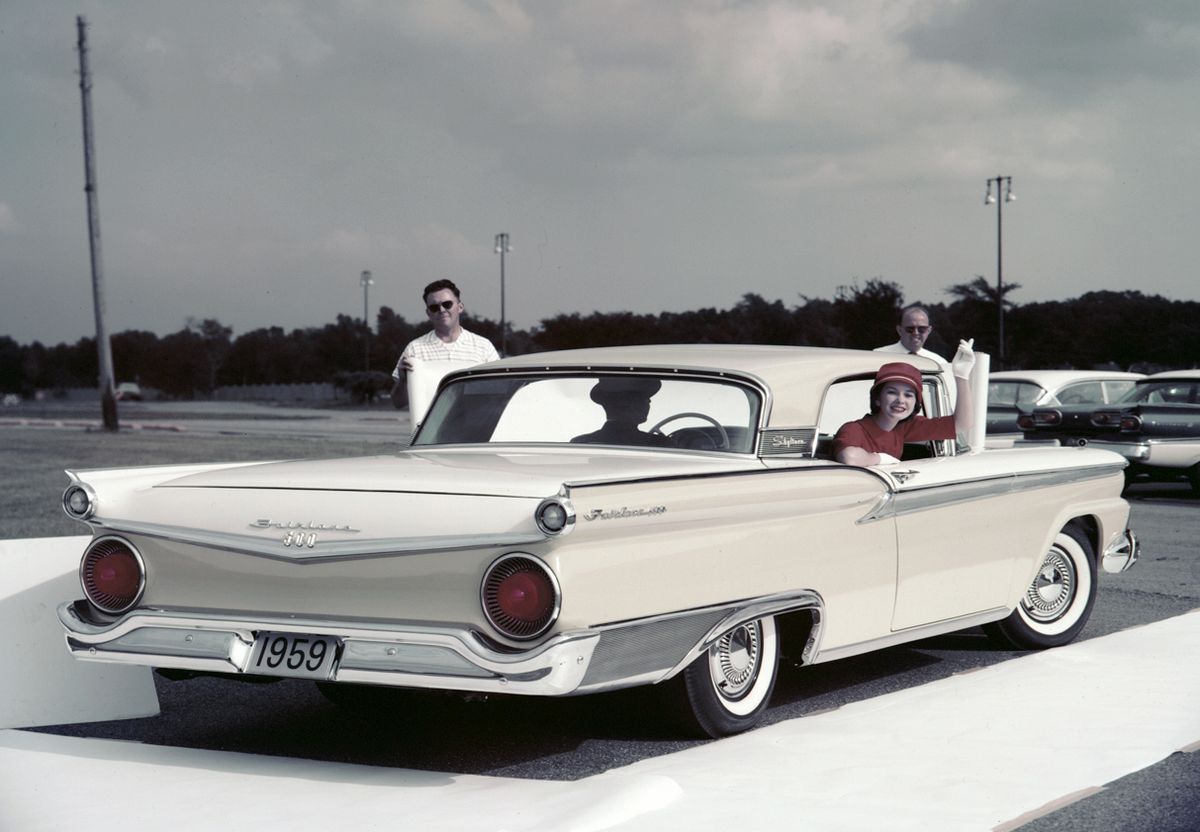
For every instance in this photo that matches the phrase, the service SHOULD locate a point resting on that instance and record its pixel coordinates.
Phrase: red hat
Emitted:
(898, 371)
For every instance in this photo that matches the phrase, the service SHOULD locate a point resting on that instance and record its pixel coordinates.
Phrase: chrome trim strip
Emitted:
(911, 500)
(884, 507)
(924, 498)
(911, 634)
(325, 552)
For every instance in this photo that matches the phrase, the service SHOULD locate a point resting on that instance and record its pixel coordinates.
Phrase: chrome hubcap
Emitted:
(734, 660)
(1052, 591)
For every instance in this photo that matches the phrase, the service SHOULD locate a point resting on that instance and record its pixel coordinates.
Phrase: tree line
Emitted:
(1110, 330)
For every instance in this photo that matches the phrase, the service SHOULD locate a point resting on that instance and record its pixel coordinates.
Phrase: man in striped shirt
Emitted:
(447, 341)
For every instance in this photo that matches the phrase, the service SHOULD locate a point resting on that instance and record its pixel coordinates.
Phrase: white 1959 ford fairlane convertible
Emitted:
(580, 521)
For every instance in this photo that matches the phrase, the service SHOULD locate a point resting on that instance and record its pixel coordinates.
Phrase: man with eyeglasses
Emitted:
(914, 330)
(447, 343)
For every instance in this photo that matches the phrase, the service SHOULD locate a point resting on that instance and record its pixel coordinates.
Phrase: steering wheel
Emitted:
(722, 446)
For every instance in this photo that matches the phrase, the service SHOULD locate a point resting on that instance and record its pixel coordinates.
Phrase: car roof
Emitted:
(1169, 374)
(1053, 379)
(796, 376)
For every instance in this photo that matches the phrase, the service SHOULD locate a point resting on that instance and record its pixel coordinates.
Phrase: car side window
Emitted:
(1114, 390)
(848, 400)
(1008, 393)
(1083, 392)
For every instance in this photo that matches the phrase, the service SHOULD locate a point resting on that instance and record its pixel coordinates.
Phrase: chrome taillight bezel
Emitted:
(506, 566)
(102, 601)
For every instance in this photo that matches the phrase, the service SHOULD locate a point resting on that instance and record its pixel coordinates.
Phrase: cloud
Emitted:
(1076, 47)
(680, 152)
(8, 220)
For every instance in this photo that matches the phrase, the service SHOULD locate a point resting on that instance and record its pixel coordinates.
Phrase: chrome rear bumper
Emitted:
(424, 656)
(401, 655)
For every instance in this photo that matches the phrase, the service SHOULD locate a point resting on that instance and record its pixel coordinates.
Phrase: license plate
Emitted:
(293, 654)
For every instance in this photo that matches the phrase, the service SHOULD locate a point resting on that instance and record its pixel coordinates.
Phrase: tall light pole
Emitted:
(365, 281)
(988, 199)
(108, 398)
(502, 248)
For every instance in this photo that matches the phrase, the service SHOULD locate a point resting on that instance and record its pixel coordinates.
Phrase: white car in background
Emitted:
(1011, 391)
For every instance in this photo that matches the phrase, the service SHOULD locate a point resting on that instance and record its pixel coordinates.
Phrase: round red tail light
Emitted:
(520, 596)
(112, 574)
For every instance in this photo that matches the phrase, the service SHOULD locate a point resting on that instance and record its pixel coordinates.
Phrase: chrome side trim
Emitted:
(651, 650)
(912, 634)
(924, 498)
(884, 507)
(760, 608)
(325, 552)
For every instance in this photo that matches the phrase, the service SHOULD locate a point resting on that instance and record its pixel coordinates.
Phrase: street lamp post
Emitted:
(366, 282)
(502, 248)
(1006, 182)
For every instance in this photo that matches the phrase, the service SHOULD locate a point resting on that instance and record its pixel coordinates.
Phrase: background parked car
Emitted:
(129, 391)
(1156, 427)
(1010, 392)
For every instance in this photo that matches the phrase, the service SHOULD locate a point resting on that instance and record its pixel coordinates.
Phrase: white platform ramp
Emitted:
(972, 752)
(42, 683)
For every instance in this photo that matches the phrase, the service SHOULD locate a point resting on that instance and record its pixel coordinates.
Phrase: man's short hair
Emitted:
(913, 307)
(439, 285)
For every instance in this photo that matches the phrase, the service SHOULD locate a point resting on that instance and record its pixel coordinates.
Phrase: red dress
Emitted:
(866, 434)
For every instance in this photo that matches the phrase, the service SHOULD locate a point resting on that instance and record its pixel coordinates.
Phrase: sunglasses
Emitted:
(913, 330)
(434, 308)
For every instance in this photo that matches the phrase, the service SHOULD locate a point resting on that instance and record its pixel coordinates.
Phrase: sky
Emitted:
(253, 158)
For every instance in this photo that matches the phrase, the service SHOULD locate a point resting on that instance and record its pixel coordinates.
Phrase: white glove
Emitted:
(964, 359)
(887, 459)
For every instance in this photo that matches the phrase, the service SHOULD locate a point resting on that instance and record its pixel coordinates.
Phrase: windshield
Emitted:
(639, 410)
(1165, 391)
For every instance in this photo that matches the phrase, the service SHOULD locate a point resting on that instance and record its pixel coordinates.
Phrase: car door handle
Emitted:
(904, 476)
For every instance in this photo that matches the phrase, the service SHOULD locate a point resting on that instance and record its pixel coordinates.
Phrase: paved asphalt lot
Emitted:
(246, 418)
(578, 737)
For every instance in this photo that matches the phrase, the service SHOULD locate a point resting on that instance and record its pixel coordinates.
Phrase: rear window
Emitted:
(629, 410)
(1166, 391)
